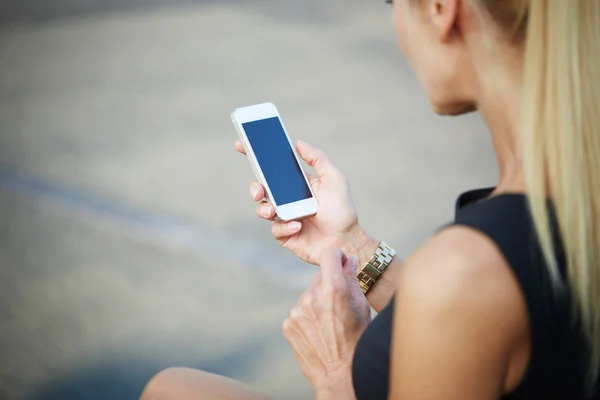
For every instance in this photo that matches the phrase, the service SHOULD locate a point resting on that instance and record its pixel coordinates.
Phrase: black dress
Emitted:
(558, 355)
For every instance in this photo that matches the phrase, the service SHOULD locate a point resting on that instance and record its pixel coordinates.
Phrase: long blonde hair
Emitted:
(560, 129)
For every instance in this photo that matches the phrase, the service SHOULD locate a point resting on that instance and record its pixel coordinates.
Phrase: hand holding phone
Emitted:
(336, 223)
(274, 161)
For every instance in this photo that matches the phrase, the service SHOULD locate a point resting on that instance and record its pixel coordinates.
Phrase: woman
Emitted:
(498, 304)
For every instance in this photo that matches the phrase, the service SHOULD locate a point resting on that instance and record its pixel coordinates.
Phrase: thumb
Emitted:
(315, 158)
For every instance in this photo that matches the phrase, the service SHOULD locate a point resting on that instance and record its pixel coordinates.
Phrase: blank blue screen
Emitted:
(277, 161)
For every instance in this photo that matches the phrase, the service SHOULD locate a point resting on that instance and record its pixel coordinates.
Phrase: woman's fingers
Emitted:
(239, 147)
(331, 262)
(265, 211)
(313, 180)
(315, 158)
(257, 191)
(283, 230)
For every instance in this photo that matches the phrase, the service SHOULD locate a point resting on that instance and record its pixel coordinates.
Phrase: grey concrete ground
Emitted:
(127, 241)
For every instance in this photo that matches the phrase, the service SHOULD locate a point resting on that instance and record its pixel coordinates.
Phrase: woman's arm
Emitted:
(336, 224)
(345, 392)
(362, 246)
(459, 316)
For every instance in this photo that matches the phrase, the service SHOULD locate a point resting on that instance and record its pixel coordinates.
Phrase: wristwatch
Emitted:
(371, 271)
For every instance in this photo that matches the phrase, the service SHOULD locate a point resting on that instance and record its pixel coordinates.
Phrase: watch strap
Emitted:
(372, 270)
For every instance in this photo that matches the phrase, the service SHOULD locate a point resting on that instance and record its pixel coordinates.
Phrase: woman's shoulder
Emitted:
(460, 272)
(458, 303)
(458, 258)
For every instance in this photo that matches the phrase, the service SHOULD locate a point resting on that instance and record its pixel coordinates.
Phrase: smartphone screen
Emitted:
(277, 161)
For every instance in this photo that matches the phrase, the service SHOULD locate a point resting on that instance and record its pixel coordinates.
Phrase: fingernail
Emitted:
(345, 258)
(301, 143)
(253, 192)
(294, 226)
(266, 211)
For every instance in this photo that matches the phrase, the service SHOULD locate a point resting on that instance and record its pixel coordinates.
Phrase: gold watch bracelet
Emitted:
(372, 270)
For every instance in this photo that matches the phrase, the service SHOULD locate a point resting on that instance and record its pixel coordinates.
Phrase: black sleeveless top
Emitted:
(559, 356)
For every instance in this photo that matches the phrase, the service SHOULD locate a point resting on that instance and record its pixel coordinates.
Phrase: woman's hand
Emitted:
(325, 325)
(335, 225)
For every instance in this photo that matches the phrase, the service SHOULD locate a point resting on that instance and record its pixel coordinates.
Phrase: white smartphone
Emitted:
(274, 160)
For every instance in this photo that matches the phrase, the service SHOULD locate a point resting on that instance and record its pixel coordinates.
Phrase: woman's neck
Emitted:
(499, 105)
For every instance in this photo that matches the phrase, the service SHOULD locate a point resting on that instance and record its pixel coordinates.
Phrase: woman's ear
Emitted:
(444, 15)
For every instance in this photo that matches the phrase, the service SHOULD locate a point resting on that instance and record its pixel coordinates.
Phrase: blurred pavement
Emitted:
(127, 240)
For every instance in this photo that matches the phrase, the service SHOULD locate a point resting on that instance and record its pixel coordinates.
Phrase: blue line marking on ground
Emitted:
(162, 230)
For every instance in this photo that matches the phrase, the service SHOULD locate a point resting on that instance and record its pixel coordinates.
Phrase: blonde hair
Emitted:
(560, 129)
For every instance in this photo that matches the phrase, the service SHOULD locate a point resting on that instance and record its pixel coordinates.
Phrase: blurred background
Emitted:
(128, 242)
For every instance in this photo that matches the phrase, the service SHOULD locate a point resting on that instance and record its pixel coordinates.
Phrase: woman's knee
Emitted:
(191, 384)
(165, 384)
